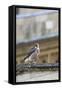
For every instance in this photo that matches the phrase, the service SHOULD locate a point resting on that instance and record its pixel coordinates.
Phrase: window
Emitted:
(50, 26)
(44, 61)
(56, 61)
(43, 29)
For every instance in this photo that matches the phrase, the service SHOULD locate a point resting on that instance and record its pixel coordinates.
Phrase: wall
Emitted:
(48, 51)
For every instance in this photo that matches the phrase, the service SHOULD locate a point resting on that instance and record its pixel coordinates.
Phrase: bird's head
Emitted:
(37, 45)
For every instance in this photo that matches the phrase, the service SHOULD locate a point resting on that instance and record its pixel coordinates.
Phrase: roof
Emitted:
(47, 36)
(38, 13)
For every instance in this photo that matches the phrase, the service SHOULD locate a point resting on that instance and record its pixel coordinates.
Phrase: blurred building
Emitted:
(34, 25)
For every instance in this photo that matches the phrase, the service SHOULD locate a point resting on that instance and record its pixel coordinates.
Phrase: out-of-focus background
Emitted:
(37, 26)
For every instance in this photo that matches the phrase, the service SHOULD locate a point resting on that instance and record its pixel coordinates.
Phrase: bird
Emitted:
(32, 54)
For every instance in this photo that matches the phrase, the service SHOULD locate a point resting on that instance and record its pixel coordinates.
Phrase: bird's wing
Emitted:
(30, 52)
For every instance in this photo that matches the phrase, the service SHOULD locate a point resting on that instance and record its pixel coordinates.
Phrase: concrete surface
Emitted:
(37, 76)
